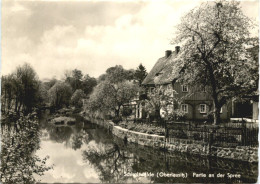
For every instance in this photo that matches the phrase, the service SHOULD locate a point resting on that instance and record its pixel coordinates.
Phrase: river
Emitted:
(87, 153)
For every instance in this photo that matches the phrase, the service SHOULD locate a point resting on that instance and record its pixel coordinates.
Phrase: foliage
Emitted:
(113, 91)
(127, 111)
(118, 74)
(43, 93)
(142, 127)
(20, 90)
(60, 94)
(116, 120)
(177, 115)
(140, 74)
(60, 134)
(50, 83)
(160, 102)
(77, 141)
(179, 134)
(18, 161)
(77, 97)
(77, 81)
(88, 83)
(110, 161)
(110, 97)
(214, 38)
(74, 78)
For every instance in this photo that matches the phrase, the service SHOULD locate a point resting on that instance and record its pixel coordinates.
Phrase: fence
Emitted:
(225, 135)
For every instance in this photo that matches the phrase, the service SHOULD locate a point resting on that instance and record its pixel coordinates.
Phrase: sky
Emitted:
(56, 36)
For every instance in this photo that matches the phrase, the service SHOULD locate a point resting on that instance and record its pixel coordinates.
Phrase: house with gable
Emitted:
(196, 103)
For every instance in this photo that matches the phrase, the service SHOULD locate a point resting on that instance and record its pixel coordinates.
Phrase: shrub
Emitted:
(77, 97)
(143, 128)
(116, 120)
(180, 134)
(126, 111)
(197, 136)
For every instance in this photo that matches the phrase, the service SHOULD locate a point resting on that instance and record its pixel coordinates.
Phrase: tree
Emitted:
(140, 74)
(43, 93)
(88, 83)
(161, 102)
(19, 163)
(114, 89)
(74, 78)
(214, 39)
(118, 74)
(7, 89)
(21, 89)
(61, 134)
(60, 94)
(110, 162)
(109, 97)
(50, 83)
(77, 97)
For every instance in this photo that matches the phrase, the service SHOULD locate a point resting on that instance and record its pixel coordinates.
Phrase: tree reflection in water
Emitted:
(71, 136)
(78, 139)
(18, 161)
(60, 134)
(113, 159)
(111, 162)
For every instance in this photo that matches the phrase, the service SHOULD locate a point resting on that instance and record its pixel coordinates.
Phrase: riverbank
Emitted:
(243, 153)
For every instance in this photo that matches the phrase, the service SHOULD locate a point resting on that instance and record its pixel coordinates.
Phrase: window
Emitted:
(184, 88)
(203, 108)
(221, 110)
(184, 108)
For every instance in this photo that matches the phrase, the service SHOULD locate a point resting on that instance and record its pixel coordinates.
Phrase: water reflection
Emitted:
(78, 139)
(111, 162)
(19, 164)
(60, 134)
(117, 162)
(86, 153)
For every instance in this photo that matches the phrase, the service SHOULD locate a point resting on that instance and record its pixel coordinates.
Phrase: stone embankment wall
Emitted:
(243, 153)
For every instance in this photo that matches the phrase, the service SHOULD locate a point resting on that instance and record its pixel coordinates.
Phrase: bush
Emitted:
(197, 136)
(180, 134)
(143, 128)
(108, 117)
(77, 97)
(116, 120)
(180, 115)
(126, 112)
(177, 115)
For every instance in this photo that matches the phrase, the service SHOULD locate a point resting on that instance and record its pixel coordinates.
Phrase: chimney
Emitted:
(177, 49)
(168, 53)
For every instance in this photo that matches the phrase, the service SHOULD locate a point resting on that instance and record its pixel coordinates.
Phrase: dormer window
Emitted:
(184, 88)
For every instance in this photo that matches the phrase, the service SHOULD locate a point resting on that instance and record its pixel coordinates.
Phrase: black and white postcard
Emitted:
(134, 91)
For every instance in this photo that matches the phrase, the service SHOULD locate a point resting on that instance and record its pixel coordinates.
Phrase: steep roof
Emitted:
(164, 71)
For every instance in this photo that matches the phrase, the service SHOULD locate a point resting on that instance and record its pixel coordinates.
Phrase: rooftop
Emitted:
(165, 70)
